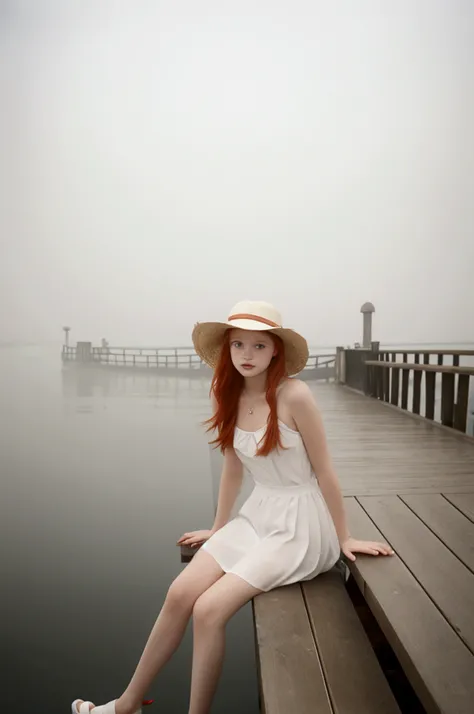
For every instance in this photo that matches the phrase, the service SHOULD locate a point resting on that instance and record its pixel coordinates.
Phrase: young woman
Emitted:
(291, 527)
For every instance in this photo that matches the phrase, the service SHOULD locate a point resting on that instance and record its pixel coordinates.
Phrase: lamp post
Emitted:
(367, 310)
(66, 336)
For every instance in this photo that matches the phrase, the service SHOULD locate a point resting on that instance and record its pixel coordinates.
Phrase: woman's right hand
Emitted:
(195, 538)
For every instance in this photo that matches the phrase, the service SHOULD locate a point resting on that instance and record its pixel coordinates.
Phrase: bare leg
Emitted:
(201, 573)
(211, 612)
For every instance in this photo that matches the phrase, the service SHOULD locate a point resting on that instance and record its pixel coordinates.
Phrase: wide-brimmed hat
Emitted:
(208, 337)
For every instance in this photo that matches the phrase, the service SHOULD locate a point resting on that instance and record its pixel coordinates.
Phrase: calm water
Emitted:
(101, 473)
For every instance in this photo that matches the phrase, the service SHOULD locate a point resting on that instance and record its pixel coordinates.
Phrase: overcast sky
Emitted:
(163, 160)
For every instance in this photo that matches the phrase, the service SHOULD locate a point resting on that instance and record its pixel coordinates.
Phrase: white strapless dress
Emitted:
(284, 532)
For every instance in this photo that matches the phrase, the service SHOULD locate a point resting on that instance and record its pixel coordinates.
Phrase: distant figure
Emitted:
(292, 527)
(104, 348)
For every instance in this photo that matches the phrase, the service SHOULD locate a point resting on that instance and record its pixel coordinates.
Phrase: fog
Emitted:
(163, 160)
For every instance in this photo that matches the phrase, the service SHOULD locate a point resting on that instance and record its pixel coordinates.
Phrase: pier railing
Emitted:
(429, 383)
(172, 358)
(166, 357)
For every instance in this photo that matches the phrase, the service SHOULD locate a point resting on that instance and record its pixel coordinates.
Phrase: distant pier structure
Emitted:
(176, 359)
(169, 359)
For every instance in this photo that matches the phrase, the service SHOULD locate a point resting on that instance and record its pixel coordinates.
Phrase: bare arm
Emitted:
(310, 425)
(231, 482)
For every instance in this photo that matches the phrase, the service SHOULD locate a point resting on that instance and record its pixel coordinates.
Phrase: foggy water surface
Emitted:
(101, 473)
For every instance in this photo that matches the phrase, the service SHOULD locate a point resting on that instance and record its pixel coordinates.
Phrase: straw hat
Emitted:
(208, 337)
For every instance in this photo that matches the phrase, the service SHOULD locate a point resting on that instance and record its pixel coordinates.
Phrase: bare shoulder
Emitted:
(303, 410)
(296, 393)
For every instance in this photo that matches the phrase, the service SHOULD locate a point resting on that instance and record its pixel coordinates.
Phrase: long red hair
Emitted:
(227, 384)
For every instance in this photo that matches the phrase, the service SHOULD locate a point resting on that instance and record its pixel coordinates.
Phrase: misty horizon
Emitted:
(163, 161)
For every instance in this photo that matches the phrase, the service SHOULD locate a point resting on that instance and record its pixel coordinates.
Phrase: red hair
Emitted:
(227, 384)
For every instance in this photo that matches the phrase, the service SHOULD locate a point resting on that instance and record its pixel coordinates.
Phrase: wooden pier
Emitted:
(407, 478)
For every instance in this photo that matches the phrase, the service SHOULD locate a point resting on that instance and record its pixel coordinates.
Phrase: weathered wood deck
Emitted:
(380, 450)
(411, 483)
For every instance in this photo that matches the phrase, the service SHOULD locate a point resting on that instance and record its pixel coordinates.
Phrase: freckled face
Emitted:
(251, 351)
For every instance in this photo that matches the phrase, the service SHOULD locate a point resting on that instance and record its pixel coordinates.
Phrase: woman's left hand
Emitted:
(370, 547)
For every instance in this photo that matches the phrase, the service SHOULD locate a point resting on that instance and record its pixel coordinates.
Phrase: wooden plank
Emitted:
(447, 399)
(187, 553)
(449, 524)
(446, 580)
(377, 448)
(435, 660)
(291, 674)
(344, 648)
(463, 501)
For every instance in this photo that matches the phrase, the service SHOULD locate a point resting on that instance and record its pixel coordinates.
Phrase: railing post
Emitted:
(84, 351)
(462, 400)
(339, 376)
(447, 398)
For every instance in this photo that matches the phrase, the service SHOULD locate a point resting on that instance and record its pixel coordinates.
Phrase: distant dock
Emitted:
(175, 360)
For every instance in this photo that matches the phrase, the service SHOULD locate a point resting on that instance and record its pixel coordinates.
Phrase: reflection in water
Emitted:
(102, 471)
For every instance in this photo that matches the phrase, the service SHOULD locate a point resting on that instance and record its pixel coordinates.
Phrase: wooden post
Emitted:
(395, 386)
(339, 360)
(380, 381)
(430, 391)
(386, 384)
(341, 364)
(405, 384)
(84, 351)
(416, 390)
(460, 412)
(447, 399)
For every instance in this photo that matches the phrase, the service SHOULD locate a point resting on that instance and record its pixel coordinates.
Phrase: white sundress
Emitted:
(284, 532)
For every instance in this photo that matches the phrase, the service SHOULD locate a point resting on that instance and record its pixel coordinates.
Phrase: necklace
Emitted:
(250, 410)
